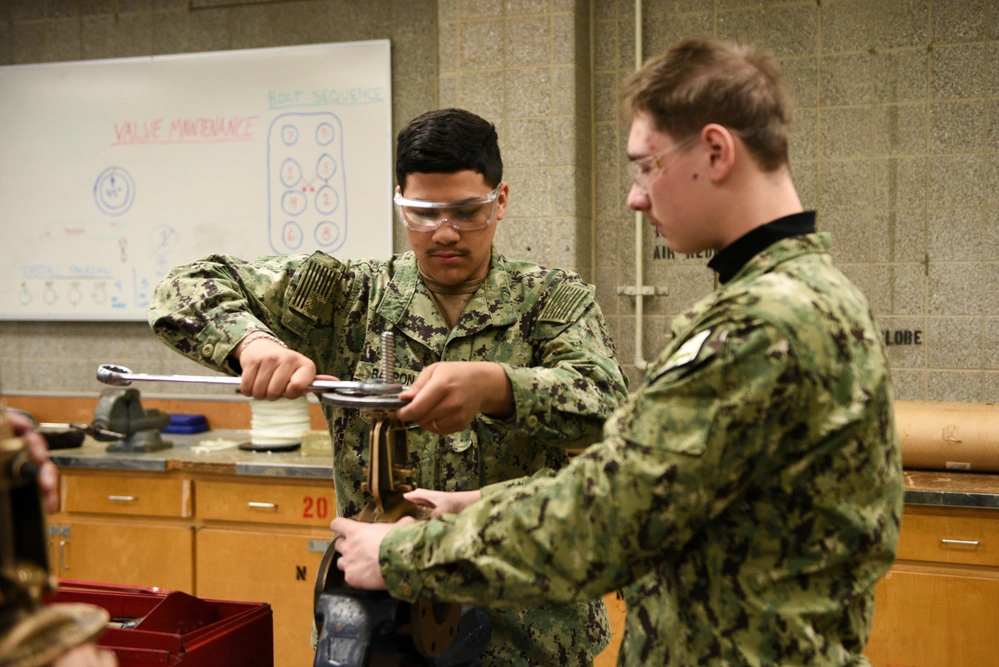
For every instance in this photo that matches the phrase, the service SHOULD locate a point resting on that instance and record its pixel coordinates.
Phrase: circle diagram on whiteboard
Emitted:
(306, 182)
(114, 191)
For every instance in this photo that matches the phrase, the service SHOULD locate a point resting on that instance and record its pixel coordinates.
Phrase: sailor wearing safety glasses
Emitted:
(509, 363)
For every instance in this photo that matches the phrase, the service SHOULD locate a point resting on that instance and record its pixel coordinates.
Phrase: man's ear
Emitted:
(721, 151)
(501, 198)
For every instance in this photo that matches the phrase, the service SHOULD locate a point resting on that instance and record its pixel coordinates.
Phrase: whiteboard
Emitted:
(114, 171)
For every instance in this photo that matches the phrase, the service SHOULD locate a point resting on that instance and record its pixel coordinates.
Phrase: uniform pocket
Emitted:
(458, 459)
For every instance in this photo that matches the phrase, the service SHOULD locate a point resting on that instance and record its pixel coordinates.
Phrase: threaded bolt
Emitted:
(388, 357)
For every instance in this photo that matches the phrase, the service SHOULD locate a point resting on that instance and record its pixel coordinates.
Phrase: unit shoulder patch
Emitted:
(563, 303)
(687, 352)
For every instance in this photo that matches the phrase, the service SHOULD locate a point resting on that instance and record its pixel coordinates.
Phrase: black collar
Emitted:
(730, 260)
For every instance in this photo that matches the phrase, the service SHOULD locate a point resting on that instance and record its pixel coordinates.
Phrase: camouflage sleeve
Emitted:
(576, 382)
(506, 485)
(675, 455)
(205, 308)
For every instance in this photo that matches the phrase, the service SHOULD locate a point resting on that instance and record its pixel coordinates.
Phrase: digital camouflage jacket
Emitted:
(542, 325)
(746, 498)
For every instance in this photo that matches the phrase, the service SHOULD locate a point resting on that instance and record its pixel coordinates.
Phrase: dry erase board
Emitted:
(114, 171)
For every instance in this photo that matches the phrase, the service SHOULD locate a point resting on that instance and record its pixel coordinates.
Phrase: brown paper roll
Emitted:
(948, 436)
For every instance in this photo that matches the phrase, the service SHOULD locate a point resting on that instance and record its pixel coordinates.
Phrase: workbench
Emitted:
(241, 525)
(225, 525)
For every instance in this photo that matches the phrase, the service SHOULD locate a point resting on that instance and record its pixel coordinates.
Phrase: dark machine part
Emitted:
(66, 435)
(119, 413)
(368, 628)
(31, 634)
(57, 436)
(65, 439)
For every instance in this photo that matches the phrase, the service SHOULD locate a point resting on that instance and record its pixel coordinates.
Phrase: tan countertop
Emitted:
(183, 455)
(951, 489)
(922, 487)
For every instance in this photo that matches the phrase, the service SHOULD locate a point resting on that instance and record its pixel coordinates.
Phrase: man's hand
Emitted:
(48, 474)
(443, 502)
(87, 655)
(358, 544)
(271, 371)
(447, 395)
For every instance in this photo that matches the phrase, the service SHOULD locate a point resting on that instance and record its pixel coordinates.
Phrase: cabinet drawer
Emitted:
(276, 568)
(137, 496)
(968, 539)
(126, 553)
(258, 502)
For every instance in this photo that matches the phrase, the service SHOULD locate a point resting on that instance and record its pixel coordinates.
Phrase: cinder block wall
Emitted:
(896, 145)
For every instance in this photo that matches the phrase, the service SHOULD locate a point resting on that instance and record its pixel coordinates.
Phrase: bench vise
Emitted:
(119, 412)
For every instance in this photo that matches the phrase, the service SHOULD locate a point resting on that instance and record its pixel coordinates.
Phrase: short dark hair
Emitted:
(702, 81)
(446, 141)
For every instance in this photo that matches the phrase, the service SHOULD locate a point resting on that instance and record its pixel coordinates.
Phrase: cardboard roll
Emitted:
(948, 436)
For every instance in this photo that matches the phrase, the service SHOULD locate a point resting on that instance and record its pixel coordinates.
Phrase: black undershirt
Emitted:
(730, 260)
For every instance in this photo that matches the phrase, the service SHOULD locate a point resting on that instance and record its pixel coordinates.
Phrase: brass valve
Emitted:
(432, 626)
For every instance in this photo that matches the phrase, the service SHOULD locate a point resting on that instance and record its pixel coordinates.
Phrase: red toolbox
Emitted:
(150, 627)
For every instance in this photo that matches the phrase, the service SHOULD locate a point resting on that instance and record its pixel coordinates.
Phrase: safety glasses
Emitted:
(466, 215)
(645, 170)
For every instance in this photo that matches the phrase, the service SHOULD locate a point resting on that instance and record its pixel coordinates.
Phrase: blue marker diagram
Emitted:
(306, 183)
(114, 191)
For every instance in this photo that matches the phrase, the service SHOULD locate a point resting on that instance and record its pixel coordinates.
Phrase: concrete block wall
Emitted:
(896, 145)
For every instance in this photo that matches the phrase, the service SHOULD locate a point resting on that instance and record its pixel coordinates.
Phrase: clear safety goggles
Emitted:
(465, 215)
(645, 170)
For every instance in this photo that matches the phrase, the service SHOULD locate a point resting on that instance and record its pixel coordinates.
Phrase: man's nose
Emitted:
(638, 199)
(445, 233)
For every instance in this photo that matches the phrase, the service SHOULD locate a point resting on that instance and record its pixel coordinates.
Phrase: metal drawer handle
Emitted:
(318, 546)
(124, 499)
(266, 506)
(62, 556)
(967, 543)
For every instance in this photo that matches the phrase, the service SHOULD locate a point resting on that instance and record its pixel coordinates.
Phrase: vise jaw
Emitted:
(119, 410)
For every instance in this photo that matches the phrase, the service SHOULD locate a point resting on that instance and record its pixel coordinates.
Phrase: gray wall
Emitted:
(896, 144)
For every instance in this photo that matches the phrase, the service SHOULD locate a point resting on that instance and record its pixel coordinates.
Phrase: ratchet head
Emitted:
(376, 387)
(113, 375)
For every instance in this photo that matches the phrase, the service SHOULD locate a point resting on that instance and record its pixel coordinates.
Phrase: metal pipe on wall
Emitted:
(593, 143)
(639, 290)
(640, 362)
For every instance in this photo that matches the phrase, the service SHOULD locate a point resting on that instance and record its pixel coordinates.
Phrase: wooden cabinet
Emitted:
(939, 604)
(264, 541)
(261, 539)
(124, 528)
(124, 553)
(258, 539)
(616, 611)
(256, 501)
(277, 567)
(127, 495)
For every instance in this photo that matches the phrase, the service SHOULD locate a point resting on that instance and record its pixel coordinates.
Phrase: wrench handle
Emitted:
(317, 385)
(121, 377)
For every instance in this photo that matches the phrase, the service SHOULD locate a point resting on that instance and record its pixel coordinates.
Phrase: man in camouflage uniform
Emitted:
(747, 497)
(510, 363)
